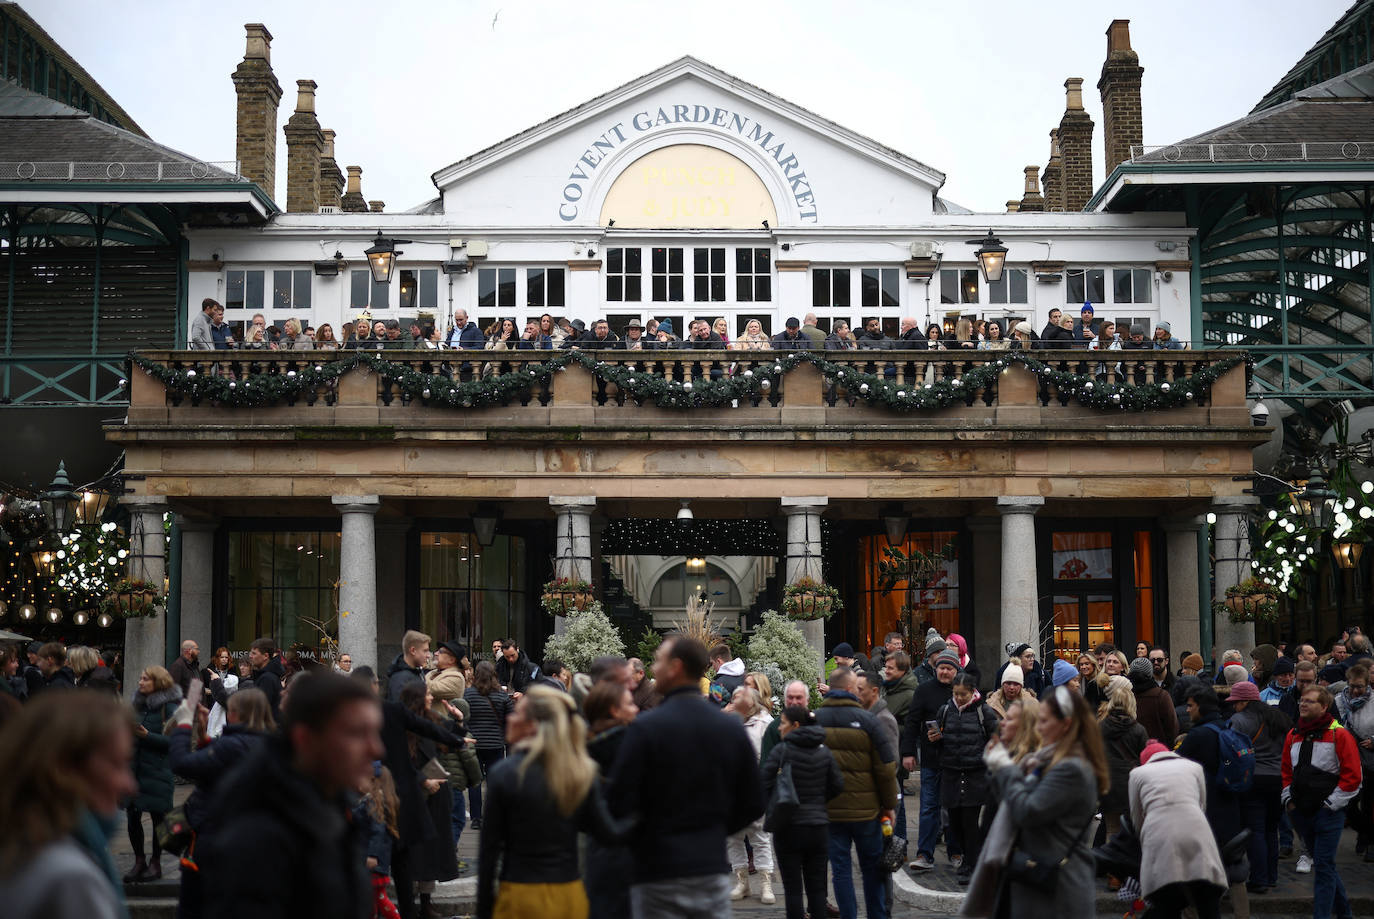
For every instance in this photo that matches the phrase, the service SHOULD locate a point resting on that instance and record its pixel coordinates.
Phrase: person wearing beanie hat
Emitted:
(935, 645)
(1234, 673)
(926, 702)
(1154, 706)
(1034, 677)
(1011, 690)
(1193, 664)
(1180, 863)
(1065, 674)
(1280, 681)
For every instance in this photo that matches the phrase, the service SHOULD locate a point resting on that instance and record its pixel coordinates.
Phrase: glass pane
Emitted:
(633, 263)
(381, 295)
(659, 260)
(744, 289)
(534, 287)
(233, 289)
(1121, 285)
(675, 261)
(359, 281)
(254, 289)
(949, 286)
(408, 285)
(486, 287)
(700, 260)
(1082, 556)
(1142, 559)
(1018, 286)
(505, 294)
(301, 292)
(281, 290)
(615, 260)
(718, 261)
(554, 286)
(1073, 286)
(868, 287)
(615, 288)
(968, 285)
(891, 292)
(1097, 285)
(935, 603)
(660, 288)
(633, 287)
(762, 259)
(429, 289)
(1143, 293)
(820, 287)
(1101, 621)
(744, 261)
(701, 289)
(1068, 626)
(840, 287)
(674, 287)
(763, 288)
(997, 290)
(718, 288)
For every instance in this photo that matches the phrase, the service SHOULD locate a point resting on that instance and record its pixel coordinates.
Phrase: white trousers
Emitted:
(761, 841)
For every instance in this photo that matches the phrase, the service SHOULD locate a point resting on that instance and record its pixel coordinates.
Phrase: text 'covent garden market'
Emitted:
(1065, 495)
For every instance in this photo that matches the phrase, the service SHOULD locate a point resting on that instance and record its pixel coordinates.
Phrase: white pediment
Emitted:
(559, 173)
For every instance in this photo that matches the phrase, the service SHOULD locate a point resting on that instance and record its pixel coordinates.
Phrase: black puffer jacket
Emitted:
(487, 717)
(269, 680)
(963, 736)
(209, 764)
(1124, 738)
(815, 774)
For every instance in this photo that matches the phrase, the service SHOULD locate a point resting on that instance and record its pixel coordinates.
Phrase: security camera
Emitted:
(1259, 415)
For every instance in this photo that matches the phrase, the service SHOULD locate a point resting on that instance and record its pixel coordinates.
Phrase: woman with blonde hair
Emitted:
(1017, 730)
(963, 334)
(90, 671)
(759, 682)
(538, 799)
(753, 338)
(1124, 739)
(1036, 860)
(294, 339)
(65, 763)
(154, 702)
(721, 328)
(748, 705)
(1093, 680)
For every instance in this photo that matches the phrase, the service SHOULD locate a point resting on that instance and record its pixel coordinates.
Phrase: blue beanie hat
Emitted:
(1063, 672)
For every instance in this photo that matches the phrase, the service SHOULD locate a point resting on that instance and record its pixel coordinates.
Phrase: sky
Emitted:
(971, 89)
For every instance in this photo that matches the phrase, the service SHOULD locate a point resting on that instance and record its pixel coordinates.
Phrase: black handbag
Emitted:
(1025, 868)
(783, 805)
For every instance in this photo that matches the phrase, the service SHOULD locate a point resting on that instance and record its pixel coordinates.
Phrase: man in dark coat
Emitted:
(1055, 335)
(1154, 706)
(187, 668)
(791, 338)
(267, 672)
(680, 866)
(514, 669)
(409, 665)
(284, 844)
(918, 748)
(52, 665)
(599, 336)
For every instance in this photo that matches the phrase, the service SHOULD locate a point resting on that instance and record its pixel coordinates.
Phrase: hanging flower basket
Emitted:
(563, 595)
(133, 599)
(808, 599)
(1252, 600)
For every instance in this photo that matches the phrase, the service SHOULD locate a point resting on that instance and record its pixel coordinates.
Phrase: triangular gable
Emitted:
(760, 123)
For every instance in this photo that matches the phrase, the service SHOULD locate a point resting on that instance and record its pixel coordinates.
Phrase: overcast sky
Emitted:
(969, 88)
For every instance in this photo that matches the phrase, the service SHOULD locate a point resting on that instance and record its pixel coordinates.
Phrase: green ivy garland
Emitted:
(754, 383)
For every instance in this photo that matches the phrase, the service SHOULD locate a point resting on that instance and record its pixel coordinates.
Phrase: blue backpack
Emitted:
(1237, 771)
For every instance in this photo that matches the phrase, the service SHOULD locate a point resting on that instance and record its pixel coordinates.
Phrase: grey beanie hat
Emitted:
(1141, 667)
(935, 645)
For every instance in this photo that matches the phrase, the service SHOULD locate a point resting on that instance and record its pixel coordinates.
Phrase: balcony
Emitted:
(867, 423)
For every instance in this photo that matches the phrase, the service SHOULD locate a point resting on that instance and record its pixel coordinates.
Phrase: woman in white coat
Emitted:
(1179, 865)
(747, 704)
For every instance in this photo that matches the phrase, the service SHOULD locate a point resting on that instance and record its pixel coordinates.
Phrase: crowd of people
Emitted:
(677, 788)
(210, 332)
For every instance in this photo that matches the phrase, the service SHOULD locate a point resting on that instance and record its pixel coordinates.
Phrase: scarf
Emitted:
(93, 833)
(1314, 725)
(1354, 703)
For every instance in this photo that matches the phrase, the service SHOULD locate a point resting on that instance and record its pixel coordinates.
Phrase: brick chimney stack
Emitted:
(352, 201)
(258, 95)
(1032, 201)
(1119, 84)
(1052, 179)
(1013, 206)
(331, 176)
(376, 207)
(304, 146)
(1076, 147)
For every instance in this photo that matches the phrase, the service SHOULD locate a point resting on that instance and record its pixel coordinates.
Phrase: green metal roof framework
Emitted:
(1347, 45)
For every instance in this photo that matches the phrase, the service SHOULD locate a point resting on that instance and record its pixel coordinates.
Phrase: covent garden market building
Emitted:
(1040, 494)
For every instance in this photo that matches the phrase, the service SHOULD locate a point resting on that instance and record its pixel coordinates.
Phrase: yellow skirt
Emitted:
(541, 901)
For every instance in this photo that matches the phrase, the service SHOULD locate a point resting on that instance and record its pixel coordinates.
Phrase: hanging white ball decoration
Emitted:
(190, 374)
(123, 383)
(765, 385)
(233, 385)
(425, 393)
(901, 394)
(1116, 397)
(863, 388)
(687, 386)
(1188, 395)
(1088, 386)
(1163, 387)
(748, 373)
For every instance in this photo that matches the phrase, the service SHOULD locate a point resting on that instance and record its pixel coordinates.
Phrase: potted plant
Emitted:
(807, 599)
(133, 598)
(1252, 600)
(562, 595)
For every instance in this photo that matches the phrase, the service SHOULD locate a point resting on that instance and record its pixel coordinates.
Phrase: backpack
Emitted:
(1237, 770)
(943, 716)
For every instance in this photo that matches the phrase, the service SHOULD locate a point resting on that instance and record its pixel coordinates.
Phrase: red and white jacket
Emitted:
(1334, 765)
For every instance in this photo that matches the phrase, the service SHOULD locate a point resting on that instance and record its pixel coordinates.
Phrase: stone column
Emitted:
(358, 577)
(197, 582)
(1020, 579)
(1232, 554)
(572, 556)
(1181, 538)
(804, 560)
(145, 639)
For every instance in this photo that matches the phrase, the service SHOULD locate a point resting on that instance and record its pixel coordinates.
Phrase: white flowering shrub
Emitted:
(779, 649)
(587, 635)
